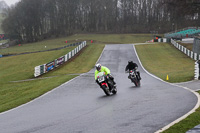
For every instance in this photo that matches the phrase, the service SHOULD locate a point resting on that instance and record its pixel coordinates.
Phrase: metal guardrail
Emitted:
(190, 54)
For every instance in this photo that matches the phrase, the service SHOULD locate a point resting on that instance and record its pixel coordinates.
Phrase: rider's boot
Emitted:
(114, 84)
(139, 76)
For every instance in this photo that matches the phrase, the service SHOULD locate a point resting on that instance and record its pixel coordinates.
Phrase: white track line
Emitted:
(182, 117)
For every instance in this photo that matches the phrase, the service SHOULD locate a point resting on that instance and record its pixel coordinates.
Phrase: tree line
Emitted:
(33, 20)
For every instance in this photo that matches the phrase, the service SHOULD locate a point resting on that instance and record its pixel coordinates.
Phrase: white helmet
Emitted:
(98, 67)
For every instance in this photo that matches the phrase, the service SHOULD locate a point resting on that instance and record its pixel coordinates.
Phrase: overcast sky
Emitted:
(10, 2)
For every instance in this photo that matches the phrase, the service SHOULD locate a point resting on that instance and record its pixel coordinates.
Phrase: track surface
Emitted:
(80, 106)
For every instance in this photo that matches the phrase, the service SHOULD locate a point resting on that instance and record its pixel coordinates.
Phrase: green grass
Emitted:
(163, 59)
(187, 45)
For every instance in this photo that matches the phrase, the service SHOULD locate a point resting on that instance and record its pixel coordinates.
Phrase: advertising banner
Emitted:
(49, 66)
(60, 61)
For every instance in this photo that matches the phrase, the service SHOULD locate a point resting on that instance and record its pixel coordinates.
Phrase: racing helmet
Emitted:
(130, 61)
(98, 67)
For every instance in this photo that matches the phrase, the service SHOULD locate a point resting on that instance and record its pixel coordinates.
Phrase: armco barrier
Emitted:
(44, 68)
(163, 40)
(186, 51)
(190, 54)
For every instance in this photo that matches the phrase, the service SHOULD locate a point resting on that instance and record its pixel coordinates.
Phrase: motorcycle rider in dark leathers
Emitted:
(132, 66)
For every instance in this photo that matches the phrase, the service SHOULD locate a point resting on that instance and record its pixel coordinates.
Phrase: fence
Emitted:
(190, 54)
(44, 68)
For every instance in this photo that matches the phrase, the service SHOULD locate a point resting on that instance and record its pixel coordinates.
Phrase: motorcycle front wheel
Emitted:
(135, 82)
(139, 83)
(106, 90)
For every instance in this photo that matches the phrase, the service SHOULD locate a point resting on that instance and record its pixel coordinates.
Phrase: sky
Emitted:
(10, 2)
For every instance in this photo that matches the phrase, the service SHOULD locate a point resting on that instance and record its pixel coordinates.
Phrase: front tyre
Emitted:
(106, 90)
(135, 82)
(139, 83)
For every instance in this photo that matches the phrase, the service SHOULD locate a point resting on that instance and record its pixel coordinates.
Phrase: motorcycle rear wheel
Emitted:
(114, 91)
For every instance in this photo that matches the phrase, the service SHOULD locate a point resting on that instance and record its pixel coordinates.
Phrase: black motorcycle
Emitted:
(106, 84)
(134, 77)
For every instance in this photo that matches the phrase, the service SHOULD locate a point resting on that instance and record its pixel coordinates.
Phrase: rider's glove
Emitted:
(107, 76)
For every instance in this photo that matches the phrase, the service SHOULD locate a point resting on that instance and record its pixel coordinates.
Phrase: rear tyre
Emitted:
(114, 90)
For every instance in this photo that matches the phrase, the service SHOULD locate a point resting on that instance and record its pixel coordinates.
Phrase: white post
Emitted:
(191, 54)
(37, 71)
(196, 70)
(195, 56)
(185, 50)
(70, 54)
(66, 58)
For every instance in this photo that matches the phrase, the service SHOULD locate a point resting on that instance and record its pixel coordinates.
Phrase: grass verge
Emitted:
(187, 45)
(163, 59)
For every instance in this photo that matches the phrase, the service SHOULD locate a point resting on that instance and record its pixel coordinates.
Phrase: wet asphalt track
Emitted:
(80, 106)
